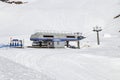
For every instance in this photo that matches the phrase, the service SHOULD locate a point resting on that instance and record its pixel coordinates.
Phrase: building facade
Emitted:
(53, 40)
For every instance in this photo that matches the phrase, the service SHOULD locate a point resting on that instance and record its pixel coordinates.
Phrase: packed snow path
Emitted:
(67, 64)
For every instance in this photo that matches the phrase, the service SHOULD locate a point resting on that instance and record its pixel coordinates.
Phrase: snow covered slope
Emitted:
(67, 15)
(92, 62)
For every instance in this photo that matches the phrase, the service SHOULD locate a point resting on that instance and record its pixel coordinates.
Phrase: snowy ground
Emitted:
(69, 64)
(91, 62)
(10, 70)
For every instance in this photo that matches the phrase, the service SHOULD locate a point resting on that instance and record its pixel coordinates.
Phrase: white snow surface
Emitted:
(67, 15)
(69, 64)
(10, 70)
(91, 62)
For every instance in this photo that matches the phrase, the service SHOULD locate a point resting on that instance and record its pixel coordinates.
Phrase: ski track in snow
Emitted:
(66, 64)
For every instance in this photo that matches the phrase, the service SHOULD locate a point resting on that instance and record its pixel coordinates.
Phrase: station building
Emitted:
(54, 40)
